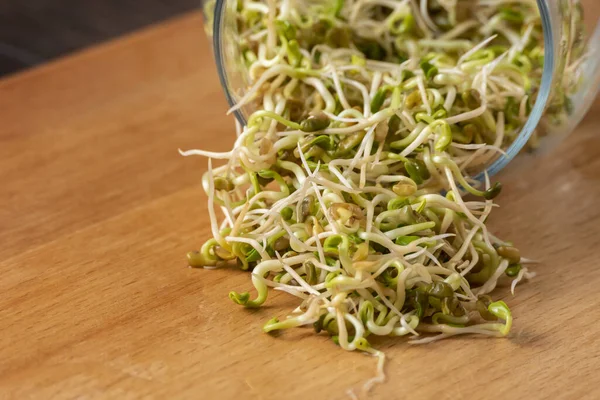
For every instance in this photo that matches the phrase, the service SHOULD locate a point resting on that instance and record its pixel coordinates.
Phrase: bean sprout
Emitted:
(366, 112)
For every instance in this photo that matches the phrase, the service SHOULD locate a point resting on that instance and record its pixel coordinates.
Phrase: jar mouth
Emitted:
(540, 103)
(500, 162)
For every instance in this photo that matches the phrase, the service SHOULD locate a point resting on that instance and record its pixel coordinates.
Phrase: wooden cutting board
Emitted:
(97, 211)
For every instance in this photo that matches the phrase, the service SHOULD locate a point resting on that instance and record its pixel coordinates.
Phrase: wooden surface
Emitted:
(97, 211)
(34, 31)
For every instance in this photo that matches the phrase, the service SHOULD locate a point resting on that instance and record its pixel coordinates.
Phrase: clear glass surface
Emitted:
(562, 28)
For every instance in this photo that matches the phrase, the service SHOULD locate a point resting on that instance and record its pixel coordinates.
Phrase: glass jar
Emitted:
(564, 36)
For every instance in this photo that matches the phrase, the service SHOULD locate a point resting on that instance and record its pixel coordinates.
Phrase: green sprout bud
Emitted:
(493, 192)
(444, 138)
(239, 298)
(377, 100)
(501, 310)
(512, 254)
(287, 213)
(513, 270)
(429, 70)
(315, 123)
(440, 290)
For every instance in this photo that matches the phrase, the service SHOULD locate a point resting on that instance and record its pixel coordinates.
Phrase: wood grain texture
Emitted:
(34, 31)
(97, 211)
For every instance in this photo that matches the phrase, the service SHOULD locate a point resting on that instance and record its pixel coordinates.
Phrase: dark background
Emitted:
(34, 31)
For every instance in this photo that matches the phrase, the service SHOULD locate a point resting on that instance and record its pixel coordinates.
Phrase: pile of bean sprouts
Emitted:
(349, 187)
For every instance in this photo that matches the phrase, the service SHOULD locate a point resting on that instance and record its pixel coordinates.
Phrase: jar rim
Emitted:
(541, 100)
